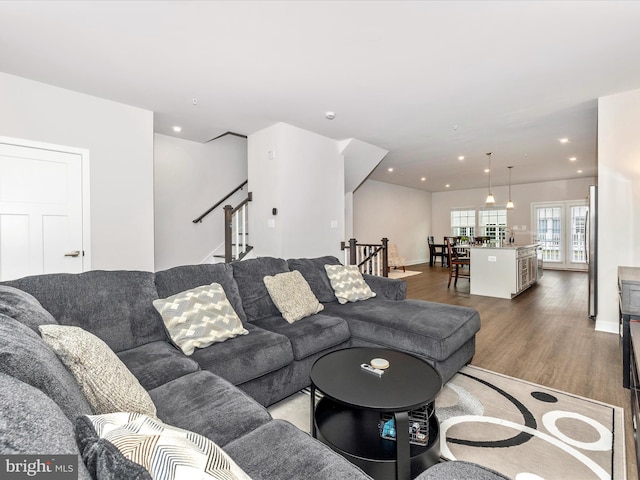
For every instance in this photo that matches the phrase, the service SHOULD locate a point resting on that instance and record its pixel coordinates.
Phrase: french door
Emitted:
(560, 227)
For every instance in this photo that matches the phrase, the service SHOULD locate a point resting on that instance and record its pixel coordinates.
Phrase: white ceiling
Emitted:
(428, 81)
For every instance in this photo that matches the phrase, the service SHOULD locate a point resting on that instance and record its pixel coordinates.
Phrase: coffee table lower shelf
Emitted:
(354, 434)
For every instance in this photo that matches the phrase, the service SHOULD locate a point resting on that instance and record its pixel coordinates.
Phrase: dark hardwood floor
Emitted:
(543, 336)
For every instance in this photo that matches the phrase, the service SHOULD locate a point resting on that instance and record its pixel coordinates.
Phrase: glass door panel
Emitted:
(561, 228)
(549, 232)
(578, 245)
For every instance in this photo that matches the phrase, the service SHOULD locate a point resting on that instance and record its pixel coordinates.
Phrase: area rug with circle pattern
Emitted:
(529, 432)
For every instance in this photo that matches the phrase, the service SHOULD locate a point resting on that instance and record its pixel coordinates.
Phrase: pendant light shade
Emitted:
(490, 198)
(510, 205)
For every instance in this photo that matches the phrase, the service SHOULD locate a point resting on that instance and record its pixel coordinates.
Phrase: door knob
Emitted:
(75, 253)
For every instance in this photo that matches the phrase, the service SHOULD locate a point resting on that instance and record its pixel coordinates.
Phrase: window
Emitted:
(463, 222)
(493, 222)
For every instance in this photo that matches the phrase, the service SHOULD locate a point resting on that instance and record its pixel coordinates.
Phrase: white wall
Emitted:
(305, 182)
(618, 198)
(401, 214)
(189, 178)
(120, 143)
(522, 195)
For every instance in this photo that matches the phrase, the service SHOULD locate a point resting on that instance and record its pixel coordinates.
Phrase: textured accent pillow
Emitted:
(106, 382)
(198, 317)
(166, 452)
(348, 284)
(292, 295)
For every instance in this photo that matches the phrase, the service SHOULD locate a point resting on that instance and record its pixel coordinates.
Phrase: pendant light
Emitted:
(490, 198)
(510, 205)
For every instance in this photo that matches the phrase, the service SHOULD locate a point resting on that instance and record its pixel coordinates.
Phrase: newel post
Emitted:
(353, 257)
(385, 258)
(228, 219)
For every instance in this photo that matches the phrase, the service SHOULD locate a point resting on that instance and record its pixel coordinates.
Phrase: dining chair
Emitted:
(457, 264)
(436, 250)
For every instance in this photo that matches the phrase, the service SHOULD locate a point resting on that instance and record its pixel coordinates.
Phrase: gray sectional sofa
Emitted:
(220, 391)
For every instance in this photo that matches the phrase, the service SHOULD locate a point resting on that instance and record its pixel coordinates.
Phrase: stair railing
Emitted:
(239, 187)
(369, 257)
(235, 231)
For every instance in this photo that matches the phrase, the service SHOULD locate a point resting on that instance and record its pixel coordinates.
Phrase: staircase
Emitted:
(236, 235)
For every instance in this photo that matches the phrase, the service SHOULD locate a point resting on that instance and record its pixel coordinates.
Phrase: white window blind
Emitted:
(463, 222)
(493, 222)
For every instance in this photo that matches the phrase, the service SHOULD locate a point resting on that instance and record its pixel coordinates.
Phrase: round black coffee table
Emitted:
(349, 416)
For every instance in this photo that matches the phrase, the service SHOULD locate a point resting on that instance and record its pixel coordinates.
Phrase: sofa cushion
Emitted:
(292, 295)
(33, 424)
(209, 405)
(114, 305)
(24, 307)
(312, 269)
(427, 329)
(165, 451)
(199, 317)
(105, 381)
(348, 284)
(309, 335)
(246, 357)
(102, 458)
(178, 279)
(157, 363)
(280, 450)
(248, 275)
(25, 356)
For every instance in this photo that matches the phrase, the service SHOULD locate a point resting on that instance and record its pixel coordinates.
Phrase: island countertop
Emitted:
(506, 246)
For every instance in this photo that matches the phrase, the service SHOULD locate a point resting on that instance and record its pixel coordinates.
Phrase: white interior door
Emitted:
(41, 211)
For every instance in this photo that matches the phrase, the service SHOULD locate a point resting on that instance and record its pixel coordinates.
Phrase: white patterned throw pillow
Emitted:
(106, 382)
(348, 284)
(167, 452)
(292, 295)
(199, 317)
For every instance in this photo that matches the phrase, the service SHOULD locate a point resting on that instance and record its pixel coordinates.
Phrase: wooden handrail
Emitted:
(239, 187)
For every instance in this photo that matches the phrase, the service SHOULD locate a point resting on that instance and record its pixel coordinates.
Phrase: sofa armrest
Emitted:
(387, 288)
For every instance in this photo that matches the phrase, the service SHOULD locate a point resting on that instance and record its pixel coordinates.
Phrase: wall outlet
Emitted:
(271, 223)
(271, 155)
(491, 258)
(334, 224)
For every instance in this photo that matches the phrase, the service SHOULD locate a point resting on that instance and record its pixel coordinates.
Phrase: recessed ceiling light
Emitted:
(564, 140)
(573, 159)
(447, 185)
(390, 169)
(579, 171)
(486, 170)
(461, 157)
(423, 179)
(330, 115)
(177, 129)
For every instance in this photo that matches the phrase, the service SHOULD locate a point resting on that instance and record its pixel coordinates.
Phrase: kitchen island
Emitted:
(504, 271)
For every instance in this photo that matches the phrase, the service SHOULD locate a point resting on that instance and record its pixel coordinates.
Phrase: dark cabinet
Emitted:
(629, 302)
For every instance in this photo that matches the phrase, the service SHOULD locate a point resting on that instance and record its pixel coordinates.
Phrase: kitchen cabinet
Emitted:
(504, 271)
